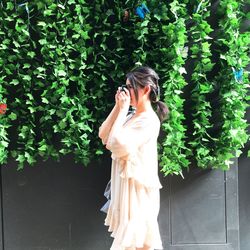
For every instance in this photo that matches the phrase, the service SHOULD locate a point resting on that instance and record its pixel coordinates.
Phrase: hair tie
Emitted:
(156, 101)
(155, 90)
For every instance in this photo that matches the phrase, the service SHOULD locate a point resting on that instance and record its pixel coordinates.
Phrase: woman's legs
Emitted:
(145, 248)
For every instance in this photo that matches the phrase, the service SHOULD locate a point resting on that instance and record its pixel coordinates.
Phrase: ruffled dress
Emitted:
(135, 197)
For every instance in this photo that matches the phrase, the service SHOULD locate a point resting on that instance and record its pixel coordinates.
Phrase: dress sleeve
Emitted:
(105, 134)
(106, 126)
(107, 131)
(132, 136)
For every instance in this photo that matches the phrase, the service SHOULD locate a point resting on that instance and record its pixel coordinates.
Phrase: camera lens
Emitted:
(123, 87)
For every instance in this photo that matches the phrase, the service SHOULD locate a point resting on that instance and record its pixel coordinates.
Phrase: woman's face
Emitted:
(133, 101)
(131, 92)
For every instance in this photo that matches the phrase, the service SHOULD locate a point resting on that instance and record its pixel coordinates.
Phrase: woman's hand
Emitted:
(122, 98)
(116, 96)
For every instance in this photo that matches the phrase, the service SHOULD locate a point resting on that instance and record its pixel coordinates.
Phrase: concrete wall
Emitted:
(54, 206)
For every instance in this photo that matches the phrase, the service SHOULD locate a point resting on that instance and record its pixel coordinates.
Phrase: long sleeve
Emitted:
(134, 148)
(126, 140)
(106, 126)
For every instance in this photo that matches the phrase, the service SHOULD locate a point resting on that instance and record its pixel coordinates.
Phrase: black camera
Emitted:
(123, 87)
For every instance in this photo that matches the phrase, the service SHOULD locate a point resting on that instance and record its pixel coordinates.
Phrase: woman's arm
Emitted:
(116, 131)
(106, 126)
(123, 99)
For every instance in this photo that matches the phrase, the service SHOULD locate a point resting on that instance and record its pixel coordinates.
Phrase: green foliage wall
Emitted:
(62, 61)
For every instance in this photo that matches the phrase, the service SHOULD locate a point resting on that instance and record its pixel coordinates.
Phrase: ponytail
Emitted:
(162, 110)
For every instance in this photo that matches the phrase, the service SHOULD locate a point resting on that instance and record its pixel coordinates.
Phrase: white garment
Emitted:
(135, 197)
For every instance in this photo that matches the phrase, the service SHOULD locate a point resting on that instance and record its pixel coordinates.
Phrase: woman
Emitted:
(132, 140)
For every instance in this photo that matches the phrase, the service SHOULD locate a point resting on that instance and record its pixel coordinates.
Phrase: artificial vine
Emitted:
(140, 34)
(62, 61)
(200, 30)
(3, 126)
(232, 82)
(175, 154)
(67, 37)
(17, 80)
(104, 73)
(5, 121)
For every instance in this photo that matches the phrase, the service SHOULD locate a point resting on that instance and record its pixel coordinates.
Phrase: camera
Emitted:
(123, 87)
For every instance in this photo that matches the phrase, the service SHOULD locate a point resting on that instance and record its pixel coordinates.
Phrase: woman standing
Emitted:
(132, 140)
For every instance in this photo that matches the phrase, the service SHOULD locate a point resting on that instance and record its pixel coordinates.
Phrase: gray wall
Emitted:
(244, 202)
(56, 206)
(244, 196)
(201, 211)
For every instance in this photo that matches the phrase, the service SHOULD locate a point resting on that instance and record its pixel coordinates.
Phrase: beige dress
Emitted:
(135, 198)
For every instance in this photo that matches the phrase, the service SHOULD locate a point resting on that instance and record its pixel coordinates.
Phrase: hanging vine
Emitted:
(64, 51)
(199, 32)
(18, 80)
(106, 66)
(4, 118)
(170, 64)
(4, 123)
(232, 82)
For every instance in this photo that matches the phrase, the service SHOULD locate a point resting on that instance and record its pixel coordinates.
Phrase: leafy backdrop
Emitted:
(61, 62)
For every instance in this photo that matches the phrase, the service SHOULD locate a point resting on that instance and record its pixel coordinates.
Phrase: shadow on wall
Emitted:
(55, 206)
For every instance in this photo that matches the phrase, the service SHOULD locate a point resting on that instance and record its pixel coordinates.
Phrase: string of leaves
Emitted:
(64, 51)
(17, 74)
(110, 59)
(147, 48)
(173, 52)
(200, 140)
(232, 82)
(4, 140)
(5, 123)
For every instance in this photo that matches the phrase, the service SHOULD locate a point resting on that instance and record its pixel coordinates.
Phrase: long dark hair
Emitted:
(143, 76)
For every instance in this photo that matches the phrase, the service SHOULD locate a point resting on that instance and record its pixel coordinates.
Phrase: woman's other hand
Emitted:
(123, 98)
(116, 97)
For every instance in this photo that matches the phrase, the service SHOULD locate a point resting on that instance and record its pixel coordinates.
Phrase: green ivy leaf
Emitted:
(61, 73)
(14, 82)
(27, 77)
(12, 116)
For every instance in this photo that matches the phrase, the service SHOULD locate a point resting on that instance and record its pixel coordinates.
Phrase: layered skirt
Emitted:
(133, 208)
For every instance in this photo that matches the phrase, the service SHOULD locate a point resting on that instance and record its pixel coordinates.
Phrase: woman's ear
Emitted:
(147, 89)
